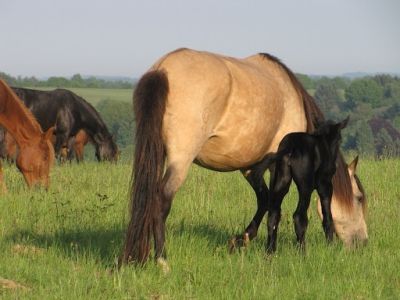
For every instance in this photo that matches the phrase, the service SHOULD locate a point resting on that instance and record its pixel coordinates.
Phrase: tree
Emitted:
(7, 78)
(327, 98)
(118, 117)
(77, 81)
(306, 81)
(392, 90)
(384, 143)
(364, 90)
(58, 82)
(365, 139)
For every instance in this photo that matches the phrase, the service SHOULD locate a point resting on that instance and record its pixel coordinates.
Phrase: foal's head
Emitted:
(331, 133)
(35, 159)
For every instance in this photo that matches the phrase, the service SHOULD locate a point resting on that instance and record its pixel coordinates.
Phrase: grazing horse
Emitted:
(69, 113)
(224, 114)
(310, 160)
(36, 153)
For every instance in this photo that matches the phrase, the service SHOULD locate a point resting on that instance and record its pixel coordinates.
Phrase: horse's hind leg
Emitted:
(174, 177)
(325, 190)
(280, 183)
(304, 179)
(257, 182)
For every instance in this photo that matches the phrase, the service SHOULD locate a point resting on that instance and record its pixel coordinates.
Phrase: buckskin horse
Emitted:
(36, 153)
(224, 114)
(310, 161)
(69, 113)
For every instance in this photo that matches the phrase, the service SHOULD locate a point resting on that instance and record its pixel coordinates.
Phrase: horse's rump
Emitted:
(235, 110)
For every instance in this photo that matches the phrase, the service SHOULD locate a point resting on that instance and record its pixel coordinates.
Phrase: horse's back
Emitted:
(227, 112)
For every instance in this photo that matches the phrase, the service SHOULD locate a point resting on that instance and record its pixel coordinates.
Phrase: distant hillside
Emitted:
(377, 124)
(111, 78)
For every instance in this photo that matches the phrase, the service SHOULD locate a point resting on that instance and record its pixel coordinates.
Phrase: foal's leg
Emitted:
(325, 190)
(257, 182)
(280, 183)
(300, 218)
(303, 176)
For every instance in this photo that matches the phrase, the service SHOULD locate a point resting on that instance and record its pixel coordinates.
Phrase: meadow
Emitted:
(63, 243)
(95, 95)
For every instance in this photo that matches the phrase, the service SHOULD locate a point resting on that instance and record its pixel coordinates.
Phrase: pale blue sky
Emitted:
(121, 37)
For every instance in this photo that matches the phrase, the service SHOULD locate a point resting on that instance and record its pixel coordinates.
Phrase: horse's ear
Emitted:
(344, 123)
(353, 166)
(49, 133)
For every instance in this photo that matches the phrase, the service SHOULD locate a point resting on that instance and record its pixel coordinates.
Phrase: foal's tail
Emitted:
(268, 160)
(149, 107)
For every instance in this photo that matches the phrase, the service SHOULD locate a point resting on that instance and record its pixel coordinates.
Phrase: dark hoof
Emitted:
(238, 242)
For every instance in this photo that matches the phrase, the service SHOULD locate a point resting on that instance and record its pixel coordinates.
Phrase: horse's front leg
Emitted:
(257, 182)
(325, 191)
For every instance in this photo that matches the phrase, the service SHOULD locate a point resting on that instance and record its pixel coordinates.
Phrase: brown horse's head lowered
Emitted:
(36, 153)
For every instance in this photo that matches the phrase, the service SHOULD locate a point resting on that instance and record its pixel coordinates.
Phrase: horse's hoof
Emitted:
(238, 242)
(162, 263)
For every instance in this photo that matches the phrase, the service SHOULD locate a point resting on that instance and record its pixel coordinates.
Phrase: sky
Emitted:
(124, 38)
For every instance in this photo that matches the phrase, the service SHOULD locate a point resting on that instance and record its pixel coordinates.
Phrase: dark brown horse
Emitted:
(36, 153)
(224, 114)
(69, 113)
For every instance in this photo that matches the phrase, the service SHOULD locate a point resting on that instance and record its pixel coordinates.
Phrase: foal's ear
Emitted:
(49, 133)
(344, 123)
(353, 166)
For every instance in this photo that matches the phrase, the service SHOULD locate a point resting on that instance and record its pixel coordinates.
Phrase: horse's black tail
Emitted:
(149, 108)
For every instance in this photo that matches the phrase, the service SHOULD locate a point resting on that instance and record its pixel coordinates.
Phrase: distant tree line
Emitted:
(373, 103)
(76, 81)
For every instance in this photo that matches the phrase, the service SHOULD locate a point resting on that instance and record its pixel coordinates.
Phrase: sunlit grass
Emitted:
(62, 243)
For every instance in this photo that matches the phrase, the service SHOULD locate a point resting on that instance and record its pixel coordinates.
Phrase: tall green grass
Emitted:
(61, 244)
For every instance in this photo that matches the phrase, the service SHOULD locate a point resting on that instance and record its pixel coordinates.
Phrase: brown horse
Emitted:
(76, 145)
(80, 141)
(224, 114)
(10, 147)
(36, 153)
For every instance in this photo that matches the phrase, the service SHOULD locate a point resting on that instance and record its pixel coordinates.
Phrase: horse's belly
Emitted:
(233, 153)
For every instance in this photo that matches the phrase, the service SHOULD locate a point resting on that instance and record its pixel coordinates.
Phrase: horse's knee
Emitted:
(300, 220)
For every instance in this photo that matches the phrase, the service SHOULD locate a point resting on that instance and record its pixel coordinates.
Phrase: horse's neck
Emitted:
(17, 119)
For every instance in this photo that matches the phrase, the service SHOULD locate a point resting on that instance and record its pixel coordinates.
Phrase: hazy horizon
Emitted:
(123, 38)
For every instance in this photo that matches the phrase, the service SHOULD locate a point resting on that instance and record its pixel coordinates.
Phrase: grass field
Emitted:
(95, 95)
(62, 243)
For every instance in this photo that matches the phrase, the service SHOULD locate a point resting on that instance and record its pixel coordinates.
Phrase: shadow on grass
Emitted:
(101, 245)
(104, 245)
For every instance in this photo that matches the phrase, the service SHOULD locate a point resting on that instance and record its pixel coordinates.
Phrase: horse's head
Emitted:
(107, 150)
(35, 159)
(349, 218)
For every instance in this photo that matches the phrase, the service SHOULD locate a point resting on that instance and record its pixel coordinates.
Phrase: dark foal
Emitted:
(310, 160)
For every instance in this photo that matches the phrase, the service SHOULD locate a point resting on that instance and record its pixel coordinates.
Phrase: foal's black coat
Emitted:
(310, 160)
(68, 113)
